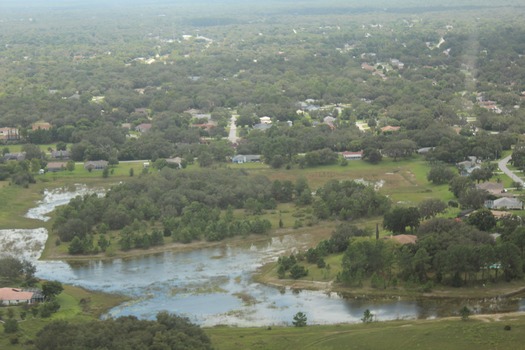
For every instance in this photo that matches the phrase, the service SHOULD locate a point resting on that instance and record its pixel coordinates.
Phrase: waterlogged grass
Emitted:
(433, 334)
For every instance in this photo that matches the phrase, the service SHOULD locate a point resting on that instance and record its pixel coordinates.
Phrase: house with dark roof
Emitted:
(15, 156)
(54, 167)
(143, 127)
(60, 154)
(494, 188)
(96, 165)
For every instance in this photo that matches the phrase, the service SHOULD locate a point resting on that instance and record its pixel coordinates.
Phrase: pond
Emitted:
(214, 286)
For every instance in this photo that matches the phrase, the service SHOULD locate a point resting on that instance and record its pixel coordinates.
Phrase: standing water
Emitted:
(213, 286)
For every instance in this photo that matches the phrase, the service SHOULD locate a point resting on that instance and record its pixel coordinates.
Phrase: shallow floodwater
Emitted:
(213, 286)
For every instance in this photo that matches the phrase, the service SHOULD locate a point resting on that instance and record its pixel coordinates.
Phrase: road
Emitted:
(233, 130)
(502, 164)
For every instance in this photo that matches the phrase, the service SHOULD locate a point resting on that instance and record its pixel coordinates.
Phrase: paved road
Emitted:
(233, 130)
(502, 164)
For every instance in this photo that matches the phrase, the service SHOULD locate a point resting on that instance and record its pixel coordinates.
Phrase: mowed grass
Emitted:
(429, 334)
(403, 181)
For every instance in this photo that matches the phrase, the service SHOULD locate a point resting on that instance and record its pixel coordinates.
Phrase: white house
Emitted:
(353, 155)
(505, 203)
(266, 120)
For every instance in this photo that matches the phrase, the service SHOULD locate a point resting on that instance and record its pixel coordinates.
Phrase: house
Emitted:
(15, 156)
(404, 239)
(329, 120)
(493, 188)
(9, 134)
(505, 203)
(15, 296)
(204, 126)
(174, 162)
(424, 150)
(390, 128)
(60, 154)
(262, 127)
(250, 158)
(53, 167)
(265, 120)
(353, 155)
(144, 127)
(96, 165)
(466, 167)
(40, 126)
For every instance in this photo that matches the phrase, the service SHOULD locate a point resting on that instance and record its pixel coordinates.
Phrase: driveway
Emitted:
(233, 130)
(502, 164)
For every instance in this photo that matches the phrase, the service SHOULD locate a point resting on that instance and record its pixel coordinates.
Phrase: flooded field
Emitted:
(214, 286)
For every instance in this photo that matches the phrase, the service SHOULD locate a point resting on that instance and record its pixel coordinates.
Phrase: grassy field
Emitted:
(476, 333)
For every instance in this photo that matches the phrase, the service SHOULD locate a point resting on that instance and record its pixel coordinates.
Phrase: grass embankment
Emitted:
(76, 305)
(479, 332)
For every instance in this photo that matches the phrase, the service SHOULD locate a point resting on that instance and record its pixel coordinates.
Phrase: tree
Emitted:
(483, 219)
(205, 159)
(70, 165)
(10, 326)
(400, 149)
(429, 208)
(472, 198)
(168, 331)
(368, 316)
(372, 155)
(465, 313)
(51, 289)
(299, 319)
(459, 184)
(399, 218)
(440, 174)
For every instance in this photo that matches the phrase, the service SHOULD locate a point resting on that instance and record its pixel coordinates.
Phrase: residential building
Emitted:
(250, 158)
(9, 134)
(15, 296)
(353, 155)
(96, 164)
(505, 203)
(56, 166)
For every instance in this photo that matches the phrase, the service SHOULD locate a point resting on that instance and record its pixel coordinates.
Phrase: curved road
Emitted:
(502, 164)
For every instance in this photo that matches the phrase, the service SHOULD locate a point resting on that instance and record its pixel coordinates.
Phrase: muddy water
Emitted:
(214, 286)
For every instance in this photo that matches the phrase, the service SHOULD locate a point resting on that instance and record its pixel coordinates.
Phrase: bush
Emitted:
(10, 326)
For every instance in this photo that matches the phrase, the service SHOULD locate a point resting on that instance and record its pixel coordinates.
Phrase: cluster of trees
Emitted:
(14, 270)
(168, 331)
(447, 252)
(348, 200)
(183, 205)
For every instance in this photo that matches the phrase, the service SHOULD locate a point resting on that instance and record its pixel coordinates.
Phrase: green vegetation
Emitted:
(476, 333)
(414, 90)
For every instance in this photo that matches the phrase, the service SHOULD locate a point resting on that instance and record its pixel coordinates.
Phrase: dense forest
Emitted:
(426, 74)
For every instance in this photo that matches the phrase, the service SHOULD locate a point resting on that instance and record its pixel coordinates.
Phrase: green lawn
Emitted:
(433, 334)
(76, 305)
